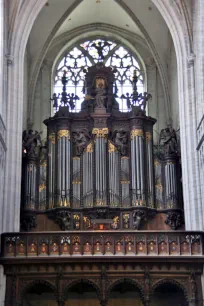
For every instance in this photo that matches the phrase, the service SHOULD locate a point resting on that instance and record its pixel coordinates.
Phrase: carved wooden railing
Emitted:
(109, 243)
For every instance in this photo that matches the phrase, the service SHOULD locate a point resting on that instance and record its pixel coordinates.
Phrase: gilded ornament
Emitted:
(111, 147)
(52, 138)
(89, 148)
(125, 182)
(99, 203)
(76, 182)
(64, 203)
(138, 203)
(156, 163)
(42, 187)
(159, 186)
(76, 158)
(136, 132)
(100, 132)
(148, 136)
(43, 164)
(63, 133)
(125, 157)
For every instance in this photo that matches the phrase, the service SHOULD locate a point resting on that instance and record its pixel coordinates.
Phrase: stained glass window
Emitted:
(90, 52)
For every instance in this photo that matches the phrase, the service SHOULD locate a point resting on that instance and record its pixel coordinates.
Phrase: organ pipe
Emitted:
(137, 161)
(100, 162)
(63, 166)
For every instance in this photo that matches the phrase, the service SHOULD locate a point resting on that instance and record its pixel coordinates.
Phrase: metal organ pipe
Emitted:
(88, 175)
(137, 161)
(100, 174)
(113, 174)
(150, 169)
(63, 166)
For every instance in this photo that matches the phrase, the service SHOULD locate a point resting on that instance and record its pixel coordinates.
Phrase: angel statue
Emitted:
(121, 141)
(80, 139)
(31, 143)
(168, 139)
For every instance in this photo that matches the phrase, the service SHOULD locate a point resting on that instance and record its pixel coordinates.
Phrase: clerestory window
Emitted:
(88, 53)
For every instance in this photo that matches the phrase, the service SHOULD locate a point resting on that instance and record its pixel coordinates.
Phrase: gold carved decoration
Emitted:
(111, 147)
(148, 136)
(125, 182)
(89, 148)
(159, 186)
(64, 203)
(136, 132)
(76, 158)
(138, 203)
(100, 83)
(99, 203)
(87, 222)
(63, 133)
(125, 157)
(156, 162)
(76, 182)
(43, 164)
(42, 187)
(52, 138)
(100, 132)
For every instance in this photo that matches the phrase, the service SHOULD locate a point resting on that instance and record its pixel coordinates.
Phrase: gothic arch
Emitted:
(177, 24)
(173, 282)
(127, 280)
(79, 281)
(148, 40)
(32, 284)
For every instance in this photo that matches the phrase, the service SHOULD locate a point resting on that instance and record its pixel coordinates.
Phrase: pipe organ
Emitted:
(99, 168)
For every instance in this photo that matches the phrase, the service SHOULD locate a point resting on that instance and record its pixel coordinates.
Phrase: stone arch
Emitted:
(177, 24)
(148, 41)
(173, 282)
(127, 280)
(32, 284)
(79, 281)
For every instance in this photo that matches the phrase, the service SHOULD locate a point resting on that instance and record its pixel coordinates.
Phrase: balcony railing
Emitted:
(109, 243)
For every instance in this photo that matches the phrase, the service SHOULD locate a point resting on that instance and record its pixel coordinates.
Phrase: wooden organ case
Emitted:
(98, 169)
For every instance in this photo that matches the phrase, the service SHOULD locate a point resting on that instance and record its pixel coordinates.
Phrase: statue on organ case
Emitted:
(80, 139)
(168, 139)
(101, 93)
(121, 141)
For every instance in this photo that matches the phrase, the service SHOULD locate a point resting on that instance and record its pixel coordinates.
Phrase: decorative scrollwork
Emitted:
(136, 132)
(174, 219)
(63, 133)
(100, 132)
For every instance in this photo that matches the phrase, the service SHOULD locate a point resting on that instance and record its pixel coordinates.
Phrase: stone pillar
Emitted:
(198, 13)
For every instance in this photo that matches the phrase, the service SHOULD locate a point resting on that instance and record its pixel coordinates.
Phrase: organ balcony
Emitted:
(120, 244)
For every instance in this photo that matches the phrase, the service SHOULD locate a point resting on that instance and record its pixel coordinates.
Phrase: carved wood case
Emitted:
(98, 169)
